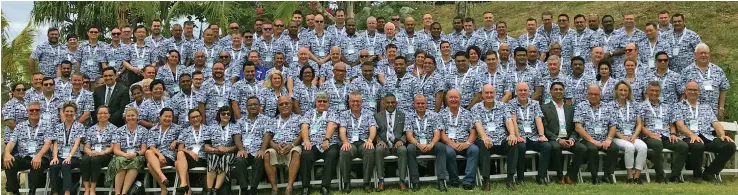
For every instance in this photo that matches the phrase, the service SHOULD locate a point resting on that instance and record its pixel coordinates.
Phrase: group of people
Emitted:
(272, 96)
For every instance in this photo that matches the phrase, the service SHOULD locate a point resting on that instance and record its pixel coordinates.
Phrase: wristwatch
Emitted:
(328, 139)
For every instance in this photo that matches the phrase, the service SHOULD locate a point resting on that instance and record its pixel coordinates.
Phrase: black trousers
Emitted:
(308, 158)
(512, 159)
(91, 166)
(61, 175)
(723, 152)
(593, 158)
(557, 162)
(35, 176)
(257, 171)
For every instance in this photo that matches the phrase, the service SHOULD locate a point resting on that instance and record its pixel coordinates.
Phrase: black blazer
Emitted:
(399, 129)
(119, 98)
(551, 121)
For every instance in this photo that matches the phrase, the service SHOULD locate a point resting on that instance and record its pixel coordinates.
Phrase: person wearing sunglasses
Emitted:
(14, 112)
(320, 41)
(669, 79)
(51, 101)
(33, 139)
(278, 30)
(220, 151)
(285, 148)
(228, 39)
(266, 45)
(630, 33)
(92, 56)
(116, 52)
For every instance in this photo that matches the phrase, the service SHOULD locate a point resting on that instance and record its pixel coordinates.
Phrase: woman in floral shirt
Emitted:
(98, 139)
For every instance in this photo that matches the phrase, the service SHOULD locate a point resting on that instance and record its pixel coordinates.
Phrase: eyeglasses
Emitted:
(395, 19)
(364, 56)
(34, 110)
(322, 101)
(48, 84)
(249, 37)
(20, 89)
(93, 32)
(115, 34)
(86, 82)
(663, 60)
(234, 28)
(279, 25)
(267, 29)
(225, 114)
(318, 21)
(224, 57)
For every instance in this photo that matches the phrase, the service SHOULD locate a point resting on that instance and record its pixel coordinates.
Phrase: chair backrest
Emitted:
(728, 126)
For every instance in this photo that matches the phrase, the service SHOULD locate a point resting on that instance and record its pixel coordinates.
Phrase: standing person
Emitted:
(141, 55)
(34, 139)
(97, 149)
(220, 151)
(129, 147)
(91, 56)
(184, 101)
(48, 54)
(712, 79)
(214, 94)
(65, 151)
(112, 94)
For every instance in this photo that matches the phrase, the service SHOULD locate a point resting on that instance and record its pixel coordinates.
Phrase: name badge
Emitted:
(221, 102)
(577, 52)
(276, 135)
(66, 150)
(268, 59)
(294, 58)
(675, 51)
(31, 148)
(196, 149)
(175, 87)
(562, 131)
(321, 53)
(314, 128)
(452, 133)
(139, 63)
(132, 150)
(423, 139)
(341, 106)
(628, 129)
(371, 51)
(410, 49)
(546, 99)
(209, 63)
(598, 128)
(527, 126)
(707, 84)
(659, 124)
(350, 49)
(491, 127)
(46, 116)
(112, 62)
(694, 125)
(354, 136)
(90, 62)
(651, 63)
(248, 141)
(98, 148)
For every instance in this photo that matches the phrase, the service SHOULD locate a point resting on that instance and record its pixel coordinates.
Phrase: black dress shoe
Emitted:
(306, 190)
(541, 181)
(638, 181)
(607, 179)
(416, 187)
(453, 184)
(441, 186)
(510, 185)
(676, 179)
(596, 181)
(368, 188)
(520, 181)
(709, 178)
(468, 187)
(324, 191)
(629, 181)
(347, 188)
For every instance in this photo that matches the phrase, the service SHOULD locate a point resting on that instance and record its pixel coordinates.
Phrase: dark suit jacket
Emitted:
(119, 98)
(399, 129)
(551, 121)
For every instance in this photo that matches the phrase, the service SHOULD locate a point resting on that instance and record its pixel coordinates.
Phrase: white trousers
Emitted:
(635, 153)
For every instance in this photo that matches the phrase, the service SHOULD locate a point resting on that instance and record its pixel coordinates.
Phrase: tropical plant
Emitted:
(15, 55)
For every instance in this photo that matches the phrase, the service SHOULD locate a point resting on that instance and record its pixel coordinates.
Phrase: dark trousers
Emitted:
(257, 171)
(544, 149)
(308, 158)
(579, 151)
(593, 158)
(90, 167)
(723, 152)
(679, 155)
(35, 176)
(439, 150)
(64, 172)
(367, 157)
(512, 159)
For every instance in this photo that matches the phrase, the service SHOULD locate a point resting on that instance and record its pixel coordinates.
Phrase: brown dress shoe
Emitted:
(486, 186)
(381, 187)
(403, 187)
(567, 180)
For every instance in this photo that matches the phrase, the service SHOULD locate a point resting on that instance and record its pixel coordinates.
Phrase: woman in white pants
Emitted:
(629, 124)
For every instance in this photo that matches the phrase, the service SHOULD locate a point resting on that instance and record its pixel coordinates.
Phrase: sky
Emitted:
(18, 13)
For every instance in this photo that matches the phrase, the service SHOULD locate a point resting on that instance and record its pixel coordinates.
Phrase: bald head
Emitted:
(522, 91)
(389, 29)
(593, 93)
(453, 98)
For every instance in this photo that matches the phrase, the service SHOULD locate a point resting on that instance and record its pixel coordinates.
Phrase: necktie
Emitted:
(391, 128)
(107, 95)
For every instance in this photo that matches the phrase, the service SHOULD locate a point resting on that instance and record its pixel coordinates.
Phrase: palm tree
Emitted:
(76, 16)
(15, 55)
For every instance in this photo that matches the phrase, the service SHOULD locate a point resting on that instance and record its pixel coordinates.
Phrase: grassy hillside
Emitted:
(714, 21)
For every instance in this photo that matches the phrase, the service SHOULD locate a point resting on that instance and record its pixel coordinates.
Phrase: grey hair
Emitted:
(555, 58)
(702, 45)
(321, 95)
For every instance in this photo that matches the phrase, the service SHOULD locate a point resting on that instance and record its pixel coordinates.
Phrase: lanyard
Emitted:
(652, 49)
(696, 112)
(599, 114)
(94, 52)
(527, 39)
(272, 44)
(188, 100)
(463, 79)
(322, 40)
(142, 54)
(456, 120)
(374, 40)
(79, 96)
(356, 127)
(48, 103)
(155, 42)
(128, 138)
(410, 42)
(237, 57)
(527, 112)
(700, 72)
(254, 88)
(209, 54)
(226, 132)
(661, 111)
(579, 40)
(491, 80)
(425, 124)
(604, 86)
(322, 117)
(372, 88)
(99, 138)
(680, 39)
(197, 135)
(35, 134)
(280, 127)
(162, 136)
(221, 91)
(626, 116)
(333, 84)
(296, 45)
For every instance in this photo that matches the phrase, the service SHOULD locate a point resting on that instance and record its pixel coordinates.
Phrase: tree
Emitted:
(214, 12)
(15, 55)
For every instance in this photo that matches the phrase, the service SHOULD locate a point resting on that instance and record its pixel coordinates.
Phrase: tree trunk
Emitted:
(350, 9)
(122, 13)
(163, 13)
(462, 8)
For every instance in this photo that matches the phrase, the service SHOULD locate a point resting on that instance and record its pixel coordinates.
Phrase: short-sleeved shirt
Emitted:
(50, 107)
(625, 117)
(141, 56)
(269, 100)
(528, 75)
(90, 58)
(286, 130)
(320, 46)
(214, 96)
(28, 137)
(576, 88)
(716, 77)
(318, 122)
(150, 109)
(638, 86)
(370, 92)
(607, 89)
(206, 72)
(456, 127)
(686, 42)
(662, 113)
(702, 118)
(184, 48)
(266, 50)
(170, 77)
(383, 41)
(527, 115)
(351, 45)
(238, 55)
(222, 136)
(581, 43)
(65, 138)
(193, 139)
(252, 132)
(96, 137)
(466, 84)
(15, 109)
(131, 141)
(48, 57)
(115, 55)
(422, 128)
(670, 82)
(242, 90)
(304, 94)
(596, 121)
(647, 51)
(402, 89)
(160, 46)
(84, 102)
(494, 120)
(548, 80)
(500, 80)
(181, 105)
(162, 140)
(430, 85)
(338, 93)
(211, 53)
(357, 126)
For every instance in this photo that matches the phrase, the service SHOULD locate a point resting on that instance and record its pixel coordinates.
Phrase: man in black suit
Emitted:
(558, 123)
(391, 133)
(112, 94)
